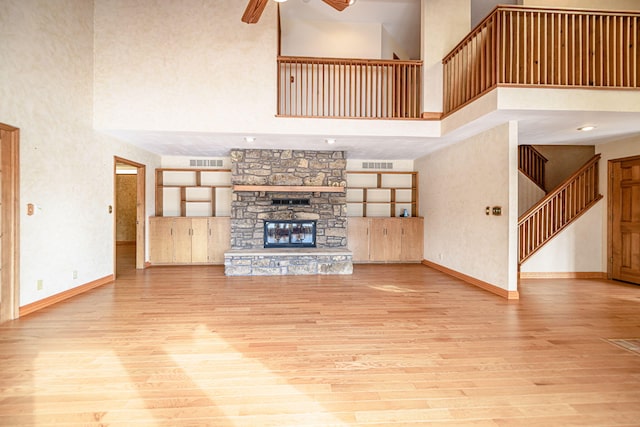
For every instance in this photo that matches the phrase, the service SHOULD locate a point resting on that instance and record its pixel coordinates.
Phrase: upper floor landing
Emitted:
(200, 69)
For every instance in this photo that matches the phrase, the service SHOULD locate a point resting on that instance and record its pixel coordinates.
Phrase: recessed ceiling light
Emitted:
(280, 1)
(330, 141)
(586, 128)
(249, 138)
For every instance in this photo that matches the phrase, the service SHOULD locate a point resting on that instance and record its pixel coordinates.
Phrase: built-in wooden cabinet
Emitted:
(183, 240)
(192, 225)
(382, 193)
(386, 239)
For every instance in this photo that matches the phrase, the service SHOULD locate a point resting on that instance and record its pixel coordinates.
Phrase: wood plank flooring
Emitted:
(394, 345)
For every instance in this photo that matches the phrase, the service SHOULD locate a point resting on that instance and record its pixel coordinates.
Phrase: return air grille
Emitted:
(207, 163)
(377, 165)
(290, 202)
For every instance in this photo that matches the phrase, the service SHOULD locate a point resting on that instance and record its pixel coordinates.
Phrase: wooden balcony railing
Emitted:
(532, 164)
(349, 88)
(558, 209)
(544, 47)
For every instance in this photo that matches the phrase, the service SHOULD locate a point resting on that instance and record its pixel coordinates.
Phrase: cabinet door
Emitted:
(182, 240)
(386, 239)
(412, 239)
(358, 238)
(160, 240)
(219, 238)
(199, 240)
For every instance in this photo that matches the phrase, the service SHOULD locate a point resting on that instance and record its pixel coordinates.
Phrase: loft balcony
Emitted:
(514, 46)
(541, 47)
(349, 88)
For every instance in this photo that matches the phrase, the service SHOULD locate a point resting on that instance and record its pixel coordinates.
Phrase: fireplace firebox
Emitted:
(289, 234)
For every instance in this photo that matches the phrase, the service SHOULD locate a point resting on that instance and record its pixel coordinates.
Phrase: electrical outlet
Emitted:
(39, 285)
(75, 274)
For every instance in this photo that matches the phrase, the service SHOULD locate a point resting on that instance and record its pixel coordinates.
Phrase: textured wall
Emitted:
(450, 20)
(563, 161)
(66, 169)
(528, 193)
(183, 65)
(456, 184)
(288, 167)
(332, 39)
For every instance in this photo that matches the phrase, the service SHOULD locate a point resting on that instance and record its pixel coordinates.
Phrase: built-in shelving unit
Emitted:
(193, 192)
(382, 194)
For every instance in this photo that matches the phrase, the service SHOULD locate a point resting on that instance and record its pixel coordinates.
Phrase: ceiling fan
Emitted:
(255, 8)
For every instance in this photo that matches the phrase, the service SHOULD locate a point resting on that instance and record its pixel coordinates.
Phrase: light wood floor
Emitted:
(390, 345)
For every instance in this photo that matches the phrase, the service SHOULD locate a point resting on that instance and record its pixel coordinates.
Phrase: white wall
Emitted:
(577, 248)
(563, 161)
(66, 169)
(327, 39)
(528, 193)
(456, 184)
(390, 46)
(444, 24)
(187, 65)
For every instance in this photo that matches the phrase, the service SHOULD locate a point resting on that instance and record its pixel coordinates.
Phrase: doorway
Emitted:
(9, 222)
(624, 219)
(129, 214)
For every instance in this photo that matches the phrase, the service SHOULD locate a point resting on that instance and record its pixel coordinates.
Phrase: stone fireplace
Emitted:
(270, 187)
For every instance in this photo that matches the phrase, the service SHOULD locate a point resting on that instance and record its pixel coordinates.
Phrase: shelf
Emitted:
(289, 188)
(382, 193)
(193, 192)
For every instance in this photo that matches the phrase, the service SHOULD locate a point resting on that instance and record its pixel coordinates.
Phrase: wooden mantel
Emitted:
(290, 188)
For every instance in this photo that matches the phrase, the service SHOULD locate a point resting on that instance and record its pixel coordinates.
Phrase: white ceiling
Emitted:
(535, 127)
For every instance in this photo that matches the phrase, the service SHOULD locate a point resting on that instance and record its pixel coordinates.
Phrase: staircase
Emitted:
(531, 163)
(559, 208)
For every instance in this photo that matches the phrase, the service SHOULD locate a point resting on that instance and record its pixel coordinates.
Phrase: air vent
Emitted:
(206, 163)
(377, 165)
(290, 202)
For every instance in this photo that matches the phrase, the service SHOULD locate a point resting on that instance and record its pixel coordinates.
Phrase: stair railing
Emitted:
(558, 209)
(349, 88)
(532, 164)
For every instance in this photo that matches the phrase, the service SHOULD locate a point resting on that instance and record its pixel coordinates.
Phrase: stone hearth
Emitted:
(249, 210)
(276, 262)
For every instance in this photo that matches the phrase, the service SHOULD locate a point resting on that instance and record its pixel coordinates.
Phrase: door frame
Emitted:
(141, 172)
(10, 211)
(610, 165)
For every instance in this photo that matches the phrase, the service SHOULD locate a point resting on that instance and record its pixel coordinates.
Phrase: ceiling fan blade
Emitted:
(253, 11)
(339, 5)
